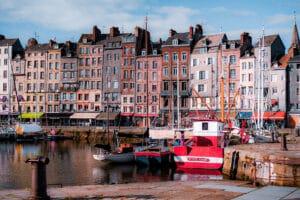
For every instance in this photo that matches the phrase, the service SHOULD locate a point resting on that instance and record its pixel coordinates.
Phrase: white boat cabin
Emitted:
(207, 128)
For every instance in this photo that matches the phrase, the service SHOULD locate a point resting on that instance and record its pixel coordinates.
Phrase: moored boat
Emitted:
(29, 132)
(124, 154)
(204, 150)
(154, 155)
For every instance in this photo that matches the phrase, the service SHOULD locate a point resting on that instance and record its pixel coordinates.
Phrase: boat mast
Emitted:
(9, 85)
(147, 73)
(178, 97)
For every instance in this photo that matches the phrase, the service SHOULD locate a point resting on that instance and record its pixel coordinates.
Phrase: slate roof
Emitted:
(8, 42)
(269, 39)
(38, 47)
(183, 38)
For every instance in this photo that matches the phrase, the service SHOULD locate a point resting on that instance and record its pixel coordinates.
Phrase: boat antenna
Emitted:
(222, 98)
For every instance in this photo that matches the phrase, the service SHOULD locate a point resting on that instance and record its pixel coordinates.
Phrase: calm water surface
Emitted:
(72, 163)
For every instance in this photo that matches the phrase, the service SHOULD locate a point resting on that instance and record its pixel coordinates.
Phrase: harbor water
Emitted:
(71, 163)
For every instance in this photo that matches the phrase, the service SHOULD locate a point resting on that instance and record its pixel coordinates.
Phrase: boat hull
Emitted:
(115, 157)
(198, 157)
(150, 158)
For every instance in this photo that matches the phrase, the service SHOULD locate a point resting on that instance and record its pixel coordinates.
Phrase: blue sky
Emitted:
(67, 19)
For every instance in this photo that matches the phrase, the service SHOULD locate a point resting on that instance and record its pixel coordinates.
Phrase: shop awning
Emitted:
(7, 113)
(31, 115)
(145, 115)
(124, 114)
(84, 115)
(244, 115)
(106, 116)
(280, 115)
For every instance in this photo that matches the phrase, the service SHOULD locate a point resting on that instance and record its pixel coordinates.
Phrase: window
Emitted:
(232, 73)
(166, 71)
(204, 126)
(244, 65)
(274, 78)
(183, 56)
(4, 87)
(175, 57)
(194, 62)
(274, 90)
(174, 71)
(200, 88)
(250, 65)
(154, 65)
(166, 85)
(243, 77)
(203, 50)
(175, 42)
(201, 75)
(154, 76)
(209, 61)
(166, 57)
(232, 87)
(184, 85)
(184, 71)
(243, 90)
(232, 59)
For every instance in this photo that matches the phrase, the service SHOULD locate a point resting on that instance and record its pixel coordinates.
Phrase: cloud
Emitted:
(281, 19)
(221, 9)
(69, 15)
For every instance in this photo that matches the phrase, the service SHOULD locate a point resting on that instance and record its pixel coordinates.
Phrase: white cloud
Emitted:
(280, 19)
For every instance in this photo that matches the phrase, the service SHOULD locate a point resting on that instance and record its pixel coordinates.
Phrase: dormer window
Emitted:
(154, 52)
(223, 46)
(84, 40)
(203, 50)
(232, 46)
(55, 46)
(69, 55)
(143, 53)
(175, 42)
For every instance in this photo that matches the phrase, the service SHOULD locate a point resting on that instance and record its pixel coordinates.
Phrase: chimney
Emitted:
(198, 30)
(245, 39)
(96, 34)
(159, 41)
(137, 31)
(172, 32)
(191, 32)
(32, 42)
(114, 31)
(51, 43)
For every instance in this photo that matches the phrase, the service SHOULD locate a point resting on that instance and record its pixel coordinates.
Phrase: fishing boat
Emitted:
(124, 154)
(157, 153)
(8, 133)
(204, 150)
(29, 132)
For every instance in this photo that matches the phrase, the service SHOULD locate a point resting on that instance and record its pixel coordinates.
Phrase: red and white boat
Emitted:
(205, 149)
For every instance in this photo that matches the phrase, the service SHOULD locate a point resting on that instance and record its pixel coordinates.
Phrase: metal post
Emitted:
(38, 178)
(283, 142)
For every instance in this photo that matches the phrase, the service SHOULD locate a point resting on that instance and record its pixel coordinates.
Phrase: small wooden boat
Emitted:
(123, 154)
(154, 155)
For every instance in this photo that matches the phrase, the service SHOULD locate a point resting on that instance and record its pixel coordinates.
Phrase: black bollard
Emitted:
(38, 178)
(283, 142)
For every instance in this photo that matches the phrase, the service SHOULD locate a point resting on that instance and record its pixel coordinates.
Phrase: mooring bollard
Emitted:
(38, 178)
(283, 142)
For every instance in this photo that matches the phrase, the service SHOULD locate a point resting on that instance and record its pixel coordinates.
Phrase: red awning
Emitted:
(271, 115)
(126, 114)
(145, 115)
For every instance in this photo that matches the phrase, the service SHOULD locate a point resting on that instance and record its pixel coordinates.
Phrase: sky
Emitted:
(64, 20)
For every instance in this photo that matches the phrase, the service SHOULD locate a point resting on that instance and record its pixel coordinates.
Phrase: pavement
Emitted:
(192, 190)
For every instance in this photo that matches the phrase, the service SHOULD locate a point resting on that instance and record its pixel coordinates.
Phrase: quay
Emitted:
(192, 190)
(264, 163)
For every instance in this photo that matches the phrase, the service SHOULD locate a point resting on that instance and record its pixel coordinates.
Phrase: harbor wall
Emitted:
(264, 164)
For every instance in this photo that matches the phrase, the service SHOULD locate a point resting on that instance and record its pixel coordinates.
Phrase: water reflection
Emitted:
(72, 163)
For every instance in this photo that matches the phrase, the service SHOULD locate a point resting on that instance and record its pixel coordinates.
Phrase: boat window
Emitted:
(205, 126)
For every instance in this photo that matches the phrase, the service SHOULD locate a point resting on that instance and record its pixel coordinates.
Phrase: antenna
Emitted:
(36, 36)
